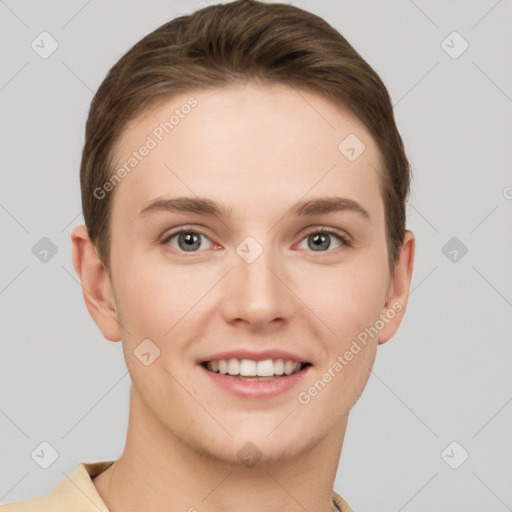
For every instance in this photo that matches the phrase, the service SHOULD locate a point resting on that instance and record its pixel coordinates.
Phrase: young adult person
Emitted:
(244, 189)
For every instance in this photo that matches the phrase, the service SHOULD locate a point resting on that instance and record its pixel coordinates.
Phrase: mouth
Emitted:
(251, 370)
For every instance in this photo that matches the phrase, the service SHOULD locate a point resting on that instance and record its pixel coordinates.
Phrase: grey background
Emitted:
(444, 377)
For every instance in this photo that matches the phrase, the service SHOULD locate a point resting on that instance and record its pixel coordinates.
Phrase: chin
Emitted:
(258, 448)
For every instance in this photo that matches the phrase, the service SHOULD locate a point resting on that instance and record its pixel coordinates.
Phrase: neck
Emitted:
(158, 471)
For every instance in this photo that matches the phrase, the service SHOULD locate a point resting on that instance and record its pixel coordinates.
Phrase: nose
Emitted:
(257, 291)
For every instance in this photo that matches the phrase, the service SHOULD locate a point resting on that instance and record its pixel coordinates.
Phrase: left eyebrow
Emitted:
(208, 207)
(322, 205)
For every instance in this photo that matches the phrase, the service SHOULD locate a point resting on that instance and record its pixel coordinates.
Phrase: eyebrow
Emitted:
(208, 207)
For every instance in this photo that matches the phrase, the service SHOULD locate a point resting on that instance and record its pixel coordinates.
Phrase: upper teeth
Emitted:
(251, 368)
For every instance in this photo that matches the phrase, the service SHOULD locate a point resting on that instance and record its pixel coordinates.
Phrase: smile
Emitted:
(262, 374)
(249, 369)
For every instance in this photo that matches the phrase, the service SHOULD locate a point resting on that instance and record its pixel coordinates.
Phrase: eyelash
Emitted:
(317, 230)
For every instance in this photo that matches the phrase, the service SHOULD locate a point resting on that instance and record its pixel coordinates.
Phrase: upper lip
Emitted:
(256, 356)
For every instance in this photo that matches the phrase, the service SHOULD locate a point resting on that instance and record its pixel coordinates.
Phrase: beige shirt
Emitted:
(78, 494)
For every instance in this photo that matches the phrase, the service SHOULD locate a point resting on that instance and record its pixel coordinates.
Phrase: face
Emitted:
(292, 265)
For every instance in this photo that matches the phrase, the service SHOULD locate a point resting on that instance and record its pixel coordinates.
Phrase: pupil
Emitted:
(320, 241)
(191, 240)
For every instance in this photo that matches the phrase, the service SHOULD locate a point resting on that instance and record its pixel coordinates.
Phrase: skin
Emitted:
(256, 149)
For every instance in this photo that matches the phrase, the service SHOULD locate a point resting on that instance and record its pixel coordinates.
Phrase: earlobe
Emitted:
(399, 289)
(96, 285)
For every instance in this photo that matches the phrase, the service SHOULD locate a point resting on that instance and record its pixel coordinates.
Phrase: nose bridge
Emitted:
(258, 294)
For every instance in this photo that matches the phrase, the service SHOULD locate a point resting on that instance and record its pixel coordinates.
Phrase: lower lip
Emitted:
(254, 388)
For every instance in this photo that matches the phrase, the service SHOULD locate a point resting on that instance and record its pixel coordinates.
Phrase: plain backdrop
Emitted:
(441, 390)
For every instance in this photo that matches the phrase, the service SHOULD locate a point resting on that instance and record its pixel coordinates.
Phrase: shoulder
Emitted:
(342, 505)
(32, 505)
(38, 504)
(75, 493)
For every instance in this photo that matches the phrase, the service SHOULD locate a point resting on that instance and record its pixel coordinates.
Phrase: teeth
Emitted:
(289, 366)
(250, 368)
(278, 367)
(233, 367)
(264, 368)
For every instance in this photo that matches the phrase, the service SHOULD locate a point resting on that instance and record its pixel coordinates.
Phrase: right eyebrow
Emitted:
(201, 206)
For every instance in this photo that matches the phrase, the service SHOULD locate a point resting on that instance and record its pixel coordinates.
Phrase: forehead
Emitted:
(246, 146)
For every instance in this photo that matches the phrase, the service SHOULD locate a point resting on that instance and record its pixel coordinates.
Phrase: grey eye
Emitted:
(188, 241)
(321, 241)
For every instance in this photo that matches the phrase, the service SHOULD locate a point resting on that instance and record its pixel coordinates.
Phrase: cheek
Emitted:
(162, 301)
(153, 302)
(346, 299)
(349, 304)
(158, 298)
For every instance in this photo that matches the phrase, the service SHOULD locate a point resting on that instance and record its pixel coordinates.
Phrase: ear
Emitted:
(399, 289)
(96, 285)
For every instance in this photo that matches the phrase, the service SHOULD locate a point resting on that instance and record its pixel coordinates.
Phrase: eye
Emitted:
(186, 240)
(319, 240)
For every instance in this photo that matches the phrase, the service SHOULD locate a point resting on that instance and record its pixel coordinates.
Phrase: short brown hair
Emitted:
(228, 43)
